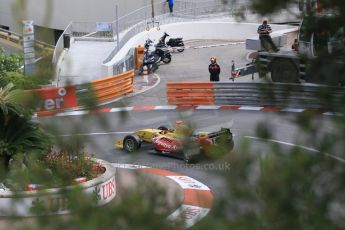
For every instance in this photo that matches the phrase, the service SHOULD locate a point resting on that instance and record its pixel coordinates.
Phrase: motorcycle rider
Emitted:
(214, 69)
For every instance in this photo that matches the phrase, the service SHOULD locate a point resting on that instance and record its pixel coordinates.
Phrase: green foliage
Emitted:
(10, 71)
(10, 63)
(21, 81)
(21, 135)
(18, 133)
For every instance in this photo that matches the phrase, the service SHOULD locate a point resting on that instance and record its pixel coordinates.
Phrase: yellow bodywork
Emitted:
(146, 135)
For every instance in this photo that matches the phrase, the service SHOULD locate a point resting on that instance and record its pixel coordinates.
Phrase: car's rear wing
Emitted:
(223, 131)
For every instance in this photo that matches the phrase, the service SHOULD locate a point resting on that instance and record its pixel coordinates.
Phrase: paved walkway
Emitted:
(83, 62)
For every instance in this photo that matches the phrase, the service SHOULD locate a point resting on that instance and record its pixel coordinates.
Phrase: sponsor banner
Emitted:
(104, 192)
(189, 214)
(56, 98)
(187, 182)
(103, 26)
(55, 203)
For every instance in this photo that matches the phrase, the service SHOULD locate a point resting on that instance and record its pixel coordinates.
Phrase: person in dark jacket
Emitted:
(264, 31)
(214, 69)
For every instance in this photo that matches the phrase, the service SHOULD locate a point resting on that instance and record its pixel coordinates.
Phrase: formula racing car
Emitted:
(180, 142)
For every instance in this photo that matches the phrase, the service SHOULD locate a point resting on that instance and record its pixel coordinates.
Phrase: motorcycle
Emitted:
(173, 42)
(162, 52)
(151, 59)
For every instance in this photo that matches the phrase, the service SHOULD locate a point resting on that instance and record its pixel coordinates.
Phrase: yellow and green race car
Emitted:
(180, 142)
(132, 142)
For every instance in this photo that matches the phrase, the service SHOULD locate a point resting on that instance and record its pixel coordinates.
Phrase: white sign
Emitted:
(29, 44)
(29, 55)
(29, 61)
(28, 38)
(29, 49)
(103, 26)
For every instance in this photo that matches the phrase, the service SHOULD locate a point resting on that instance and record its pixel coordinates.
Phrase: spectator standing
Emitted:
(171, 5)
(214, 69)
(264, 31)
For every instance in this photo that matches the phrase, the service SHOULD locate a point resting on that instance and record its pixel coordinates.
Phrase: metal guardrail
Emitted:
(17, 39)
(279, 95)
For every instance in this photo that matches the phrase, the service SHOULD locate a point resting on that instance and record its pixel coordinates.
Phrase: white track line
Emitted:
(295, 145)
(93, 134)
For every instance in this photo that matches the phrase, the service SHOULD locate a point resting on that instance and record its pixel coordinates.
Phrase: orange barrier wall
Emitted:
(190, 93)
(112, 87)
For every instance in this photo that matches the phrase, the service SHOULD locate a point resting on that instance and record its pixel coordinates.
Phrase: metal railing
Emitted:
(137, 21)
(17, 39)
(59, 44)
(279, 95)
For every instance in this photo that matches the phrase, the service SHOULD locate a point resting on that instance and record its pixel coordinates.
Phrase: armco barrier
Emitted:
(255, 94)
(70, 97)
(16, 40)
(112, 87)
(195, 93)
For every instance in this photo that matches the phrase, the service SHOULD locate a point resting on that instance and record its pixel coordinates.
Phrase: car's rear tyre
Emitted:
(131, 143)
(190, 152)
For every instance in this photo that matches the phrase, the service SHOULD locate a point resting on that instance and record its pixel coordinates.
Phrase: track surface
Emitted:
(191, 65)
(99, 131)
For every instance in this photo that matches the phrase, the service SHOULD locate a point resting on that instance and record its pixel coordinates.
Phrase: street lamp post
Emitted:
(153, 20)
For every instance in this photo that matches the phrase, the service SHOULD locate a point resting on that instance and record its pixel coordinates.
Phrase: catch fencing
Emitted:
(137, 21)
(278, 95)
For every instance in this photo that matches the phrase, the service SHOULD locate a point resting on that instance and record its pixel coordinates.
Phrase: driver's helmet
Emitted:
(203, 135)
(179, 122)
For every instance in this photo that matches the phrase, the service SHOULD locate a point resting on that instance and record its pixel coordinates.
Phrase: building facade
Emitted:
(51, 17)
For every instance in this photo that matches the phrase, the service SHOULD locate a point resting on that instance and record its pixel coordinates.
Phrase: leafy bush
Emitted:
(10, 63)
(10, 71)
(22, 82)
